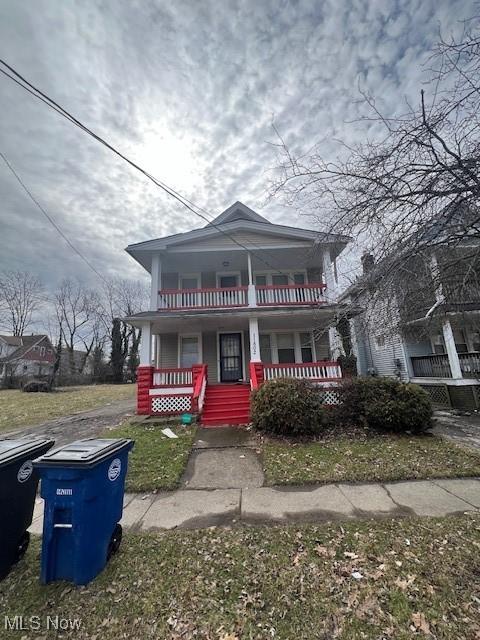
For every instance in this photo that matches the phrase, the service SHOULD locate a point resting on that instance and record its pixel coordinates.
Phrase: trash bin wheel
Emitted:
(22, 546)
(115, 540)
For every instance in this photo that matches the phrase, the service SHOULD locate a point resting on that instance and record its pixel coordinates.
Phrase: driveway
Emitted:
(461, 429)
(87, 424)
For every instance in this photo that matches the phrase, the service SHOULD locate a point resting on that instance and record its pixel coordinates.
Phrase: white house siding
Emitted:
(210, 354)
(380, 320)
(322, 346)
(249, 239)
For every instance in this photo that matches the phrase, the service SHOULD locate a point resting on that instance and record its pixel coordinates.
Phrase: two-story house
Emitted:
(425, 326)
(237, 302)
(23, 357)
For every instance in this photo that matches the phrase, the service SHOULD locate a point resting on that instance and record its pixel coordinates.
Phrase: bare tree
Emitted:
(414, 188)
(79, 319)
(21, 296)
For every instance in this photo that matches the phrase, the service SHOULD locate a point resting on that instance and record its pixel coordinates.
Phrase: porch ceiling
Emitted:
(186, 322)
(233, 260)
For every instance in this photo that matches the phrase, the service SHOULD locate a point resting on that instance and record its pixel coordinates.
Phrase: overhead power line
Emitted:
(50, 219)
(185, 202)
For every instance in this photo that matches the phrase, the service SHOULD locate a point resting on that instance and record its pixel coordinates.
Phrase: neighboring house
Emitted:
(232, 304)
(75, 363)
(25, 357)
(427, 331)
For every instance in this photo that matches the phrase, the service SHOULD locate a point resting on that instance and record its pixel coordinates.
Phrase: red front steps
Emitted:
(226, 404)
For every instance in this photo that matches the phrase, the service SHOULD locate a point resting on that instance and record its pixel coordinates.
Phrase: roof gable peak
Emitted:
(238, 211)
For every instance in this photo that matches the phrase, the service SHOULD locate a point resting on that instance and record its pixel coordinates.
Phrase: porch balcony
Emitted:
(438, 366)
(225, 298)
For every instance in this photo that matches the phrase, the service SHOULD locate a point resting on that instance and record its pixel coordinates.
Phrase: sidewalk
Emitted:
(190, 508)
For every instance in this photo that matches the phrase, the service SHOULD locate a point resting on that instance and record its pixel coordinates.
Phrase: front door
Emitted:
(231, 366)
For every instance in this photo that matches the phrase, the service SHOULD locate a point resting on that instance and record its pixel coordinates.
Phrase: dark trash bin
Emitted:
(18, 488)
(83, 485)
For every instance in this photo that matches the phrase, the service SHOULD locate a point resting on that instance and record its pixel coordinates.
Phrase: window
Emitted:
(460, 341)
(228, 281)
(306, 347)
(189, 351)
(280, 279)
(438, 344)
(265, 348)
(42, 351)
(476, 341)
(261, 279)
(285, 348)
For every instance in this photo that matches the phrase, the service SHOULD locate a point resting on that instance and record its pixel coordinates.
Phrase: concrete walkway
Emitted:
(223, 458)
(191, 508)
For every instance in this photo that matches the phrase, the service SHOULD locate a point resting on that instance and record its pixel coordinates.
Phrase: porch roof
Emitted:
(212, 320)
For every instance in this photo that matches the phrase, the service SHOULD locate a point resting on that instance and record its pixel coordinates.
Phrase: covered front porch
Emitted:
(181, 357)
(443, 356)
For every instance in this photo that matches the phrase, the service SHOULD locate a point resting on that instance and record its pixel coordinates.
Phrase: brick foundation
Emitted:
(144, 384)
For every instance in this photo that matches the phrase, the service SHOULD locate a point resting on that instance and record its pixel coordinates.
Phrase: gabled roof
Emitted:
(237, 218)
(23, 344)
(238, 211)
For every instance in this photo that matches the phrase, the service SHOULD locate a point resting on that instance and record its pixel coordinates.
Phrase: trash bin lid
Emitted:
(83, 452)
(12, 449)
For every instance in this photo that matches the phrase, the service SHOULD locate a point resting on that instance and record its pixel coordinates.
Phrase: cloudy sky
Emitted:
(188, 89)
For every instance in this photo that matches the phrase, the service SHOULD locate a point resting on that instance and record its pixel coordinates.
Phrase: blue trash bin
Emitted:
(83, 485)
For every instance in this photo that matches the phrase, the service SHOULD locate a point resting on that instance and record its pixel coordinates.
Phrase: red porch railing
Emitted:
(172, 377)
(324, 371)
(202, 298)
(200, 386)
(290, 294)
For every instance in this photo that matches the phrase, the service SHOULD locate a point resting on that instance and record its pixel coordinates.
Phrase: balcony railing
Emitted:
(202, 298)
(431, 366)
(275, 295)
(324, 371)
(288, 294)
(437, 365)
(470, 364)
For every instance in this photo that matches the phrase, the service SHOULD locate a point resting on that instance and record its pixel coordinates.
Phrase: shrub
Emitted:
(287, 407)
(35, 386)
(385, 404)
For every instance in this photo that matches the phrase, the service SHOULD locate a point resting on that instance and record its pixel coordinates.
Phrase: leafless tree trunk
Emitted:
(21, 296)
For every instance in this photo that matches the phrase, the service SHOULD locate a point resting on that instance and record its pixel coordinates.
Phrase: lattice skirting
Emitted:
(329, 396)
(169, 405)
(438, 394)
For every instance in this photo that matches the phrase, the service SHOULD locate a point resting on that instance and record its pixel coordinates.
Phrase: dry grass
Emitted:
(398, 579)
(18, 409)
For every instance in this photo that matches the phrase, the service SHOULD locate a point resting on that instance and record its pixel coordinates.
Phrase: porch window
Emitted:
(265, 348)
(438, 344)
(261, 279)
(285, 348)
(476, 341)
(306, 347)
(228, 282)
(279, 279)
(460, 341)
(189, 351)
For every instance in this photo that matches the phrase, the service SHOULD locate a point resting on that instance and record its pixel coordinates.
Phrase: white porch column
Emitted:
(156, 281)
(453, 359)
(254, 340)
(146, 346)
(329, 276)
(252, 296)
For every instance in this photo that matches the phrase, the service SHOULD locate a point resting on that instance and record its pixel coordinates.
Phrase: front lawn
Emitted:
(18, 409)
(156, 462)
(398, 579)
(369, 459)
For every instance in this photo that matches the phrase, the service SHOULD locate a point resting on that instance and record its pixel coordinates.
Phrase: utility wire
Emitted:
(37, 93)
(50, 219)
